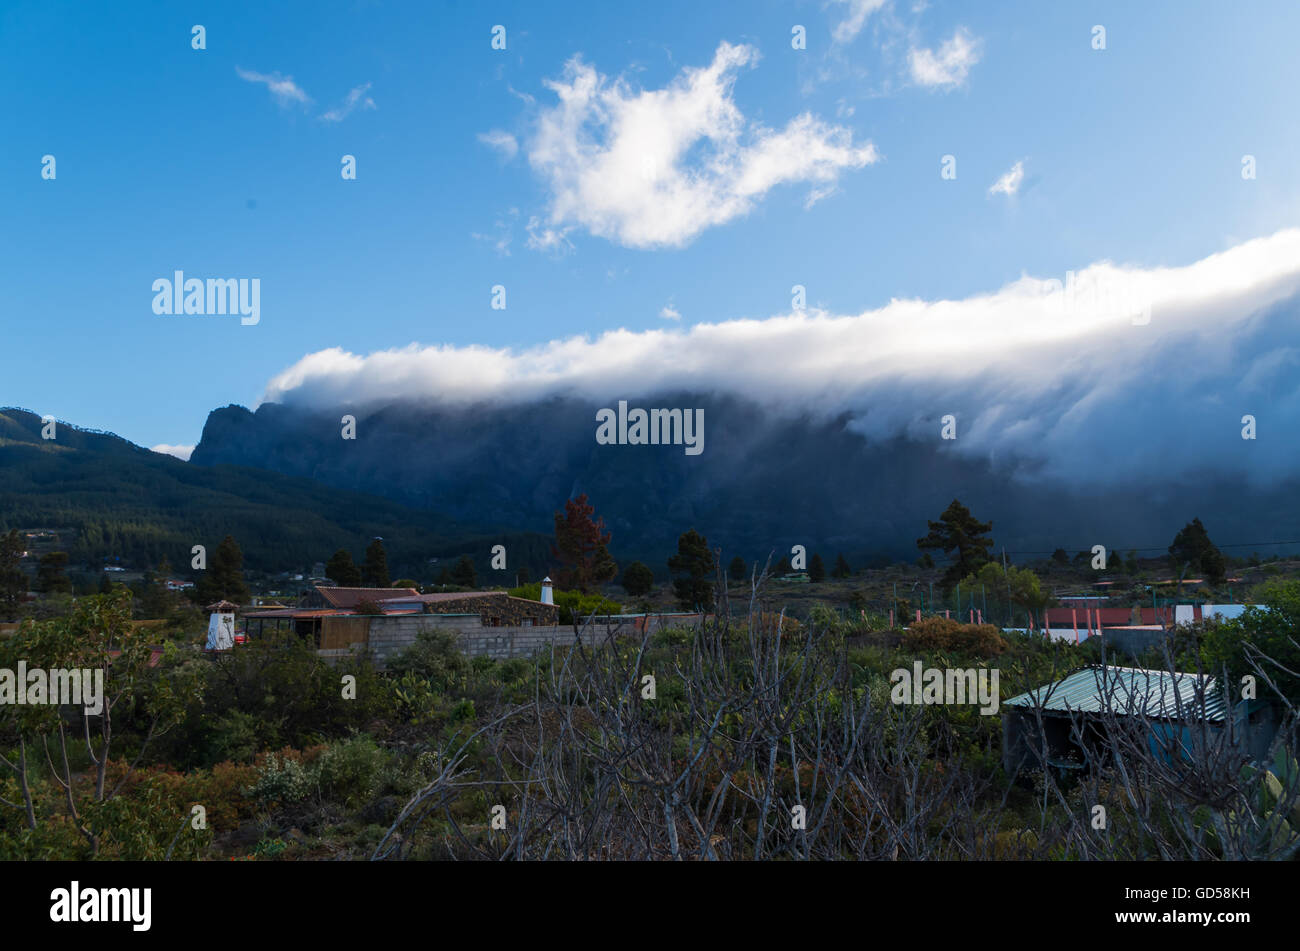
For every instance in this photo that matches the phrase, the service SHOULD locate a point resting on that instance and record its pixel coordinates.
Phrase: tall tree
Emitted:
(693, 568)
(13, 583)
(816, 569)
(374, 571)
(736, 570)
(960, 532)
(155, 600)
(841, 569)
(462, 573)
(1192, 547)
(638, 579)
(580, 547)
(49, 573)
(342, 570)
(224, 579)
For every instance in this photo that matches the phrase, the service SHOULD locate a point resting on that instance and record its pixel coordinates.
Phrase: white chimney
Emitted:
(221, 626)
(547, 596)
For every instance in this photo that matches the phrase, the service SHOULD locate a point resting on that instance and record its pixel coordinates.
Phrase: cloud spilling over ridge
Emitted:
(1116, 372)
(180, 452)
(654, 168)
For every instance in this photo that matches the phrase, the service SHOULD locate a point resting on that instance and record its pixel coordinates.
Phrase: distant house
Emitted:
(329, 609)
(485, 623)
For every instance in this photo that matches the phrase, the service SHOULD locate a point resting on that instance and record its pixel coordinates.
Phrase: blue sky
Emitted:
(173, 158)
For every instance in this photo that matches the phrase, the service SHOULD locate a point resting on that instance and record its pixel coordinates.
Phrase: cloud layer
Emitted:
(654, 168)
(180, 452)
(1113, 372)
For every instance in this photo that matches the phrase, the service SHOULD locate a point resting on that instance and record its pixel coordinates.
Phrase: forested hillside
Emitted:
(127, 502)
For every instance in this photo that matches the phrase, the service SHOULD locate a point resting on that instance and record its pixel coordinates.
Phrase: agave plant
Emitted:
(1265, 822)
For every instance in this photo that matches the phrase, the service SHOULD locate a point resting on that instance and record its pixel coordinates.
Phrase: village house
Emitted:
(486, 623)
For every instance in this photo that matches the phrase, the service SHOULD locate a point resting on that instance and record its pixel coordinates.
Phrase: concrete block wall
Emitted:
(391, 635)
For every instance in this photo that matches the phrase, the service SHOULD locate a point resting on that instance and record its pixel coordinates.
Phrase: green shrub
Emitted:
(283, 780)
(349, 770)
(947, 635)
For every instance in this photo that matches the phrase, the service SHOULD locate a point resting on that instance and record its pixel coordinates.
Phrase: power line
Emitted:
(1165, 548)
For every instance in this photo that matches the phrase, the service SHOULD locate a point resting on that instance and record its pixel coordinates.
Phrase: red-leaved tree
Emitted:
(580, 547)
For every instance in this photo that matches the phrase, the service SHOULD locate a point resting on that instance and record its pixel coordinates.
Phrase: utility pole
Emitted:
(1007, 574)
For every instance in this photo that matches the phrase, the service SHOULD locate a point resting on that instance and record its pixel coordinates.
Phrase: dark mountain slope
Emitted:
(761, 483)
(131, 503)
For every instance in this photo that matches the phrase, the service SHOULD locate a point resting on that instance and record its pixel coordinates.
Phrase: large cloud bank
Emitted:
(1123, 373)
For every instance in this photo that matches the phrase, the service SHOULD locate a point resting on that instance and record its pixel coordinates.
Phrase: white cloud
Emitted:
(669, 312)
(855, 19)
(180, 452)
(1032, 368)
(950, 65)
(655, 168)
(542, 238)
(285, 91)
(503, 142)
(357, 97)
(1009, 183)
(502, 234)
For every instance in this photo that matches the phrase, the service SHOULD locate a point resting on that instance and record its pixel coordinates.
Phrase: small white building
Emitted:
(221, 626)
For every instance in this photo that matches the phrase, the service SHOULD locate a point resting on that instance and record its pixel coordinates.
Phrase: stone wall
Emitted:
(508, 611)
(390, 635)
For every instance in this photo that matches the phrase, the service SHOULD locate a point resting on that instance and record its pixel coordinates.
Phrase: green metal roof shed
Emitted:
(1129, 690)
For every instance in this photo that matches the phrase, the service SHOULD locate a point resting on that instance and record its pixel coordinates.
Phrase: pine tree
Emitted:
(736, 570)
(155, 601)
(49, 573)
(224, 578)
(693, 567)
(342, 570)
(1192, 547)
(842, 569)
(374, 571)
(959, 531)
(462, 573)
(638, 579)
(13, 583)
(816, 569)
